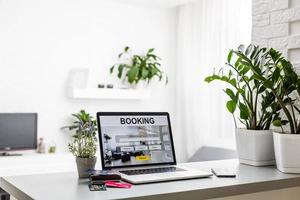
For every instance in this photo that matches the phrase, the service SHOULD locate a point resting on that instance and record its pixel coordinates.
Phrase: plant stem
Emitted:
(294, 117)
(286, 111)
(261, 118)
(281, 129)
(255, 106)
(234, 120)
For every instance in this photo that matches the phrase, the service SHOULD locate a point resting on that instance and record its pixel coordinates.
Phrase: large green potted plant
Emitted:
(84, 140)
(256, 106)
(134, 69)
(280, 78)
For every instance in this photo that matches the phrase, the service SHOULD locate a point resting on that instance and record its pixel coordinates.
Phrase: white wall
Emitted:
(276, 24)
(207, 30)
(41, 41)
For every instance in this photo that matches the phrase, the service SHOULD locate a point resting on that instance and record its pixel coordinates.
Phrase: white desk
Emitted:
(33, 163)
(68, 186)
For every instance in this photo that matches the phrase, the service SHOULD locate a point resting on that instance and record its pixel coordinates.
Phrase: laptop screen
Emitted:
(135, 139)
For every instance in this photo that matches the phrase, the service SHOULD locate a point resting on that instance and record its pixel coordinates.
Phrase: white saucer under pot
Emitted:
(255, 147)
(287, 152)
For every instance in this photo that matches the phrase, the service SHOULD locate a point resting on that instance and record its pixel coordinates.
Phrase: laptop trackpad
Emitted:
(163, 176)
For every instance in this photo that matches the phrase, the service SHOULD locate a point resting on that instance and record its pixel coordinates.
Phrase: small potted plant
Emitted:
(280, 78)
(256, 105)
(83, 145)
(136, 68)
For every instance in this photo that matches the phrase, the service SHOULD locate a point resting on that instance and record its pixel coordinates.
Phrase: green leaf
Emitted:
(120, 71)
(244, 112)
(276, 74)
(245, 70)
(132, 74)
(229, 56)
(233, 82)
(261, 89)
(230, 93)
(150, 50)
(267, 84)
(212, 78)
(154, 70)
(231, 106)
(237, 63)
(145, 73)
(277, 123)
(111, 69)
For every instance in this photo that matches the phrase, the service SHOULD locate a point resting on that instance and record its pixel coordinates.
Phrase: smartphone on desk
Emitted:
(224, 172)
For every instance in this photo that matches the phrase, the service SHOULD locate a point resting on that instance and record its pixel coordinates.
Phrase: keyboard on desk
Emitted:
(150, 170)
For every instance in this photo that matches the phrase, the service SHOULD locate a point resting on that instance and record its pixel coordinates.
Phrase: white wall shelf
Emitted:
(156, 3)
(101, 93)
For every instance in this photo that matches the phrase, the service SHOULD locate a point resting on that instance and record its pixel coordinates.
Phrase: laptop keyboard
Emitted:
(151, 170)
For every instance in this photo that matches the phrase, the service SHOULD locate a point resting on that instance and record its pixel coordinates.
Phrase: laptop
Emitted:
(140, 147)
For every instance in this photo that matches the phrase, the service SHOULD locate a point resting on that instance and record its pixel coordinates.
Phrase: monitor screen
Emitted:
(135, 140)
(18, 131)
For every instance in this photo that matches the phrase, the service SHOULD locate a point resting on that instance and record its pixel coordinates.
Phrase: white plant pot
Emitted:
(255, 147)
(287, 152)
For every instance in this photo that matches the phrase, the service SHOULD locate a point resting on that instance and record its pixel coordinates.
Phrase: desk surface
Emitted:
(68, 186)
(33, 163)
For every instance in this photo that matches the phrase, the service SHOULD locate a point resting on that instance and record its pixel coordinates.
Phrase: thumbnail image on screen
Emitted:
(135, 140)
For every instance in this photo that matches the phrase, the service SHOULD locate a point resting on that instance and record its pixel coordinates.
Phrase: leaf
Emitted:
(277, 123)
(212, 78)
(261, 89)
(241, 48)
(150, 50)
(276, 74)
(233, 82)
(230, 93)
(267, 84)
(244, 112)
(245, 70)
(132, 74)
(154, 70)
(111, 69)
(152, 56)
(120, 71)
(145, 73)
(249, 49)
(237, 63)
(231, 106)
(229, 56)
(126, 48)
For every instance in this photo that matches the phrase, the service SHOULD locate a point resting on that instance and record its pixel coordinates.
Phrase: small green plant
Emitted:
(139, 67)
(257, 106)
(84, 138)
(278, 75)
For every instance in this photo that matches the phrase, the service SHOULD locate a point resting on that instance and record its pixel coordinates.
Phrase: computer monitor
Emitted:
(18, 131)
(135, 139)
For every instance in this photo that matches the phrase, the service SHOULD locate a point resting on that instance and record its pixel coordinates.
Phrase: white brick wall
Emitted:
(276, 23)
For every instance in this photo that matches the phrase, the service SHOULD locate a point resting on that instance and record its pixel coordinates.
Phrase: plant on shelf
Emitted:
(83, 145)
(257, 106)
(138, 68)
(280, 78)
